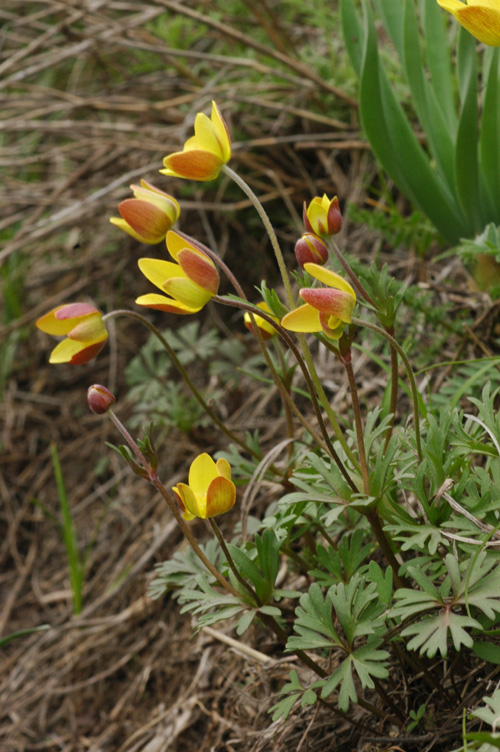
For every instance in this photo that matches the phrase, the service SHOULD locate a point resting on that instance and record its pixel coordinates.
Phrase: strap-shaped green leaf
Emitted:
(490, 131)
(396, 145)
(466, 147)
(438, 58)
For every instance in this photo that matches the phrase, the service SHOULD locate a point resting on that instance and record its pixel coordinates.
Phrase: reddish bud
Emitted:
(100, 399)
(310, 249)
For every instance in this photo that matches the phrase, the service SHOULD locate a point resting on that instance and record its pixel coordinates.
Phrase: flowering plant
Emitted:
(385, 564)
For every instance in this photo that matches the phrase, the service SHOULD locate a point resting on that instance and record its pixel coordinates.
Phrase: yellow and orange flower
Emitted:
(326, 309)
(322, 217)
(481, 18)
(83, 327)
(265, 328)
(189, 284)
(149, 215)
(210, 490)
(205, 153)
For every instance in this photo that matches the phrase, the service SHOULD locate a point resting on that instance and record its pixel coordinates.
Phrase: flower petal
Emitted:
(200, 269)
(195, 164)
(162, 303)
(187, 292)
(187, 501)
(201, 473)
(333, 302)
(159, 271)
(223, 468)
(77, 353)
(303, 319)
(221, 496)
(329, 278)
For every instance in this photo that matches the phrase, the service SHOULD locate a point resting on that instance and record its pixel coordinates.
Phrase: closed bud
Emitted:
(310, 249)
(323, 216)
(100, 399)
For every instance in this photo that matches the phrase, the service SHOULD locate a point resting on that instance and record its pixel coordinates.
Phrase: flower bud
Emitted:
(99, 399)
(310, 249)
(322, 216)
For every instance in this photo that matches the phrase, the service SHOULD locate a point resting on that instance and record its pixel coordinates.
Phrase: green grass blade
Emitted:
(69, 534)
(489, 145)
(425, 101)
(354, 35)
(22, 633)
(396, 146)
(434, 23)
(466, 147)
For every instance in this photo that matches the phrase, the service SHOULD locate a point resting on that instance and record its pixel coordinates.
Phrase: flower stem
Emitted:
(358, 421)
(350, 273)
(411, 377)
(180, 368)
(269, 229)
(231, 563)
(156, 482)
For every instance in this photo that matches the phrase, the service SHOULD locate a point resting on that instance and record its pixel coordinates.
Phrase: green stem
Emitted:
(231, 563)
(394, 391)
(156, 482)
(350, 273)
(269, 229)
(325, 404)
(182, 371)
(411, 377)
(310, 386)
(358, 421)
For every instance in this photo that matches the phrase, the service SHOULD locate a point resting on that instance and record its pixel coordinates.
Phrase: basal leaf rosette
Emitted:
(481, 18)
(189, 284)
(82, 325)
(327, 309)
(205, 153)
(149, 215)
(210, 490)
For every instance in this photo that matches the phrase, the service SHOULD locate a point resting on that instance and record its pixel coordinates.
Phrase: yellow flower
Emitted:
(149, 215)
(480, 17)
(210, 491)
(205, 153)
(326, 309)
(265, 328)
(322, 217)
(84, 329)
(189, 284)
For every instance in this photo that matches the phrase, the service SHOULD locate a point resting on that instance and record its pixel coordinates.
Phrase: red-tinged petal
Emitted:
(89, 330)
(77, 353)
(200, 269)
(482, 22)
(333, 302)
(122, 225)
(167, 305)
(195, 164)
(87, 354)
(201, 473)
(146, 219)
(223, 468)
(188, 293)
(61, 320)
(184, 493)
(221, 496)
(303, 319)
